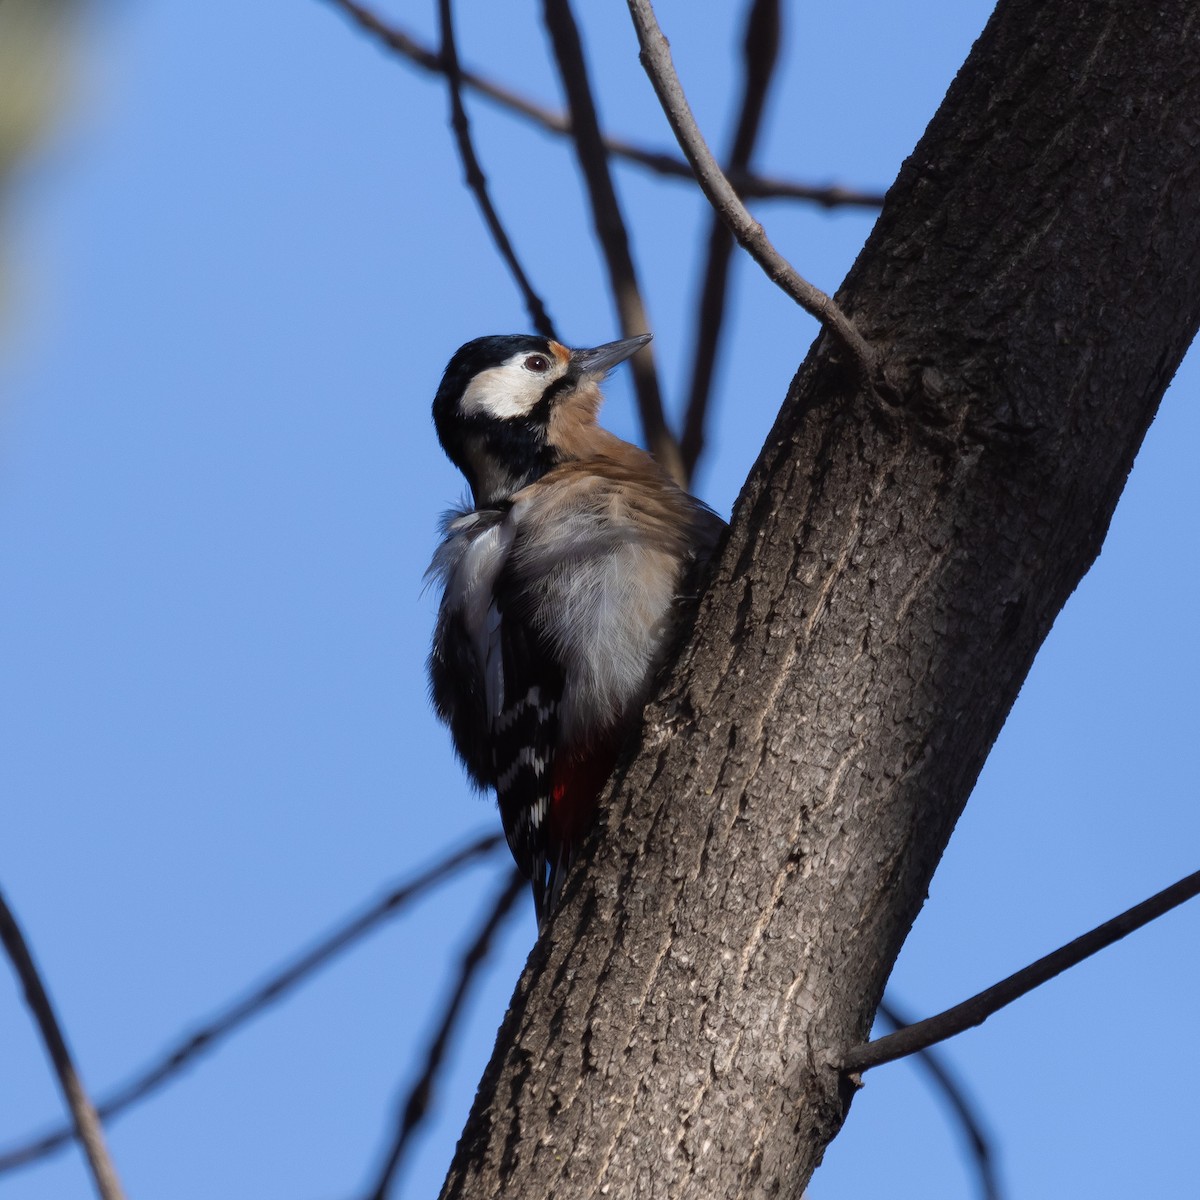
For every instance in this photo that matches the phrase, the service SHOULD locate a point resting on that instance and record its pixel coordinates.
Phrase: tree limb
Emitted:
(610, 230)
(760, 52)
(749, 186)
(168, 1065)
(656, 58)
(477, 181)
(896, 559)
(915, 1038)
(83, 1114)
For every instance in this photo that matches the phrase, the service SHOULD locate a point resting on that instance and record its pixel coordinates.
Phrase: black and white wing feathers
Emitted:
(525, 690)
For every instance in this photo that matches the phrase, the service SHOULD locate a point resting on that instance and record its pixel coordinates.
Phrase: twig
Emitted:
(477, 181)
(83, 1114)
(417, 1102)
(760, 51)
(656, 59)
(747, 184)
(956, 1097)
(610, 229)
(752, 186)
(978, 1008)
(206, 1038)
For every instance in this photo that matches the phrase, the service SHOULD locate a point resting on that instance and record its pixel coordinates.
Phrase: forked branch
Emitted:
(656, 58)
(293, 973)
(749, 186)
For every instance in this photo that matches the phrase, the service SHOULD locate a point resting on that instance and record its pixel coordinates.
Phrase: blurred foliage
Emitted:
(33, 50)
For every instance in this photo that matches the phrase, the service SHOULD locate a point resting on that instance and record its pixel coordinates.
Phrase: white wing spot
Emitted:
(526, 757)
(531, 699)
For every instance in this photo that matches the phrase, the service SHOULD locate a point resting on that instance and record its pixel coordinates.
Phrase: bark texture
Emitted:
(896, 559)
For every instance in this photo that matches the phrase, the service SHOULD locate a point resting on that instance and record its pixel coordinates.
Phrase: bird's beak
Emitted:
(602, 358)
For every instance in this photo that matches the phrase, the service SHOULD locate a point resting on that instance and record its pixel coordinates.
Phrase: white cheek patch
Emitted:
(509, 390)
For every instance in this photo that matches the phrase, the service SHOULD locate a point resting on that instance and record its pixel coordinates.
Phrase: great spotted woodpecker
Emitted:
(560, 586)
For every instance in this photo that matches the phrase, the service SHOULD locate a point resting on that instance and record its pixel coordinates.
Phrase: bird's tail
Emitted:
(575, 785)
(547, 888)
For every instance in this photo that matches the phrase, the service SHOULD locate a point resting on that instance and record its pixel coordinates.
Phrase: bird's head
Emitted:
(511, 407)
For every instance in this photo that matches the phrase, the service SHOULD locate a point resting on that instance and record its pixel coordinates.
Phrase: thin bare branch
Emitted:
(747, 184)
(610, 229)
(83, 1113)
(656, 59)
(752, 186)
(978, 1008)
(477, 181)
(416, 1104)
(283, 981)
(962, 1108)
(760, 52)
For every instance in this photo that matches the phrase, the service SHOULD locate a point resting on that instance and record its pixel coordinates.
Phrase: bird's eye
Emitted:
(536, 362)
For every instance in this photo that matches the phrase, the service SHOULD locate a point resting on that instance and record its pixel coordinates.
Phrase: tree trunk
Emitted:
(896, 559)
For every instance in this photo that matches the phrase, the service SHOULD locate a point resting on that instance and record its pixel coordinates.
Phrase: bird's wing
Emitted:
(471, 555)
(524, 686)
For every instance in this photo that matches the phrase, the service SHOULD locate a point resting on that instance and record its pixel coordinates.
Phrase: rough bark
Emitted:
(895, 561)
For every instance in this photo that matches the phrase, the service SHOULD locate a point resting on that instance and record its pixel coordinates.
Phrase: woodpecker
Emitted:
(560, 586)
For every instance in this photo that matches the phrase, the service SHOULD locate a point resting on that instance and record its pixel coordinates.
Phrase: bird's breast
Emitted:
(602, 583)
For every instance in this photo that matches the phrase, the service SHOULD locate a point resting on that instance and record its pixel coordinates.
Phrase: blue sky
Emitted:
(236, 270)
